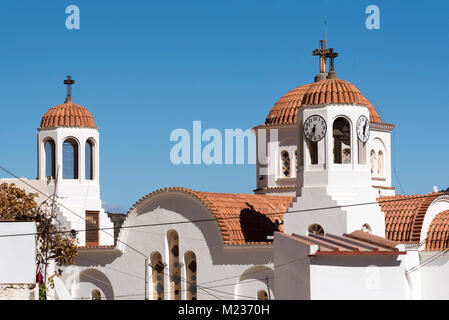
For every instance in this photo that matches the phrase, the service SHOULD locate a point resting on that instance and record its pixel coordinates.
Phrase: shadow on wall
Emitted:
(256, 227)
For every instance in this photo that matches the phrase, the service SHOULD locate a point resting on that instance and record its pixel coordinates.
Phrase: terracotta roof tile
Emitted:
(438, 233)
(68, 115)
(322, 92)
(255, 214)
(404, 215)
(355, 243)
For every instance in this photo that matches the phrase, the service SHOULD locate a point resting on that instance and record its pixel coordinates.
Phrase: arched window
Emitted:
(316, 229)
(70, 159)
(174, 266)
(341, 131)
(50, 159)
(380, 163)
(95, 295)
(89, 160)
(373, 162)
(262, 295)
(191, 268)
(157, 266)
(285, 160)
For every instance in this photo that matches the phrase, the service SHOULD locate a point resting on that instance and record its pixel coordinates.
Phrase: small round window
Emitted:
(316, 229)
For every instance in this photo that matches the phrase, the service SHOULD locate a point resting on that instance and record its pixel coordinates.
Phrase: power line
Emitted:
(20, 179)
(223, 218)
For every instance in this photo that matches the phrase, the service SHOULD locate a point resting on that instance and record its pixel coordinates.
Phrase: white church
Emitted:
(324, 221)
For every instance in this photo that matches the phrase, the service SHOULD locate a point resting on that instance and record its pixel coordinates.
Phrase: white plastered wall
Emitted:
(75, 196)
(214, 261)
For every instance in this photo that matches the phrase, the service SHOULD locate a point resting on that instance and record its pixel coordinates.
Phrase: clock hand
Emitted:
(364, 128)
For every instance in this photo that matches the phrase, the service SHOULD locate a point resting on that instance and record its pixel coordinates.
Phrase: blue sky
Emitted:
(144, 68)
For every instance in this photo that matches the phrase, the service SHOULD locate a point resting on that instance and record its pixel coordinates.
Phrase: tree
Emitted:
(53, 243)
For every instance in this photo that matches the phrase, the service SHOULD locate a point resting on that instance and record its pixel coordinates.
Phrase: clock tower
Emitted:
(334, 172)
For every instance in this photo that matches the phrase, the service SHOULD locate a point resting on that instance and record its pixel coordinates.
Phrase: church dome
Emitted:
(68, 114)
(328, 91)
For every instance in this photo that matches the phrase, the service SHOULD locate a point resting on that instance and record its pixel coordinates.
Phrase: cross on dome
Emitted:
(68, 82)
(324, 53)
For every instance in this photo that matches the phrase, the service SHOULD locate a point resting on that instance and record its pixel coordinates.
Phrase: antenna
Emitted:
(325, 32)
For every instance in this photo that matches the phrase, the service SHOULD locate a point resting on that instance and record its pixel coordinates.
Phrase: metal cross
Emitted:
(69, 83)
(322, 52)
(331, 55)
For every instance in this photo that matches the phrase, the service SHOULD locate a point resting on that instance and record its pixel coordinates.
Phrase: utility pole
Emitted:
(147, 293)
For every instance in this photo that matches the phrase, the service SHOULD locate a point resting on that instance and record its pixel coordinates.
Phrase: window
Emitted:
(380, 163)
(316, 229)
(70, 159)
(158, 275)
(92, 228)
(89, 160)
(262, 295)
(366, 228)
(174, 266)
(373, 162)
(342, 140)
(191, 268)
(50, 159)
(285, 160)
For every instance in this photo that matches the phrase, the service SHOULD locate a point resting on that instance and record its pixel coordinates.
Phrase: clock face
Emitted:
(315, 128)
(363, 129)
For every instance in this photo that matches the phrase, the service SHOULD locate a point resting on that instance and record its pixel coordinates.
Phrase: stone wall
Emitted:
(19, 291)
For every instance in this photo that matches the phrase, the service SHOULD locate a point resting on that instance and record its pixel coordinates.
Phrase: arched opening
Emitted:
(373, 162)
(157, 266)
(380, 163)
(254, 281)
(89, 160)
(92, 281)
(50, 170)
(95, 295)
(174, 265)
(316, 229)
(191, 275)
(341, 131)
(262, 295)
(70, 159)
(285, 161)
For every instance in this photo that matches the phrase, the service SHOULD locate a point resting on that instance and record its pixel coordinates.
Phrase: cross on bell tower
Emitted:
(322, 52)
(69, 83)
(332, 55)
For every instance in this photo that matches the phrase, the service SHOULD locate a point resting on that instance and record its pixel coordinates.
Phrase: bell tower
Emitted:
(68, 144)
(333, 170)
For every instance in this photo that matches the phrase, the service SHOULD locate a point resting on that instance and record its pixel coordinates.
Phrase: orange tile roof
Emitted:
(404, 215)
(355, 243)
(322, 92)
(68, 115)
(251, 225)
(438, 233)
